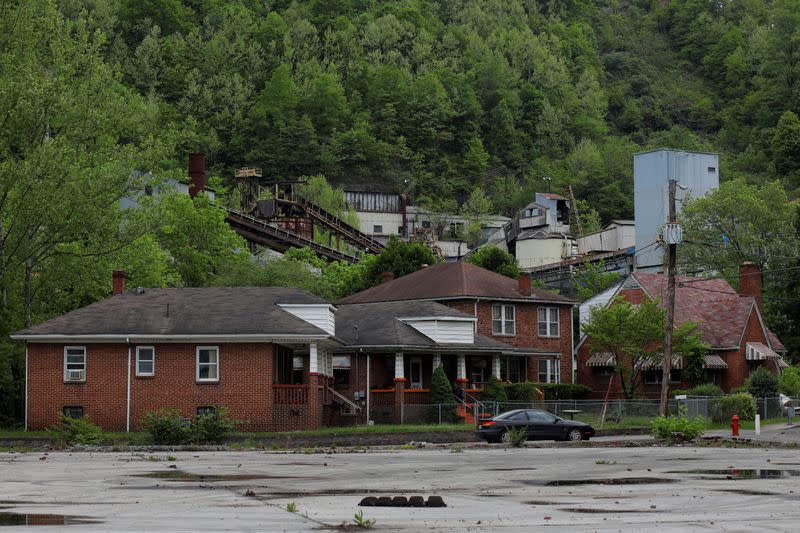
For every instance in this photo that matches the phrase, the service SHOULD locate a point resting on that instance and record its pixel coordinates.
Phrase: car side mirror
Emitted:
(555, 420)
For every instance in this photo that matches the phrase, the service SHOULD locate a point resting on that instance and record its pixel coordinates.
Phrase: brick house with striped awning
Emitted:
(730, 323)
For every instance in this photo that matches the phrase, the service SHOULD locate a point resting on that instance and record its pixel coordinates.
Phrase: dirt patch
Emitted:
(748, 492)
(602, 511)
(180, 475)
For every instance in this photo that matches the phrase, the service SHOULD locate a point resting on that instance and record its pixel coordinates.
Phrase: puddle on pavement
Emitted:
(740, 473)
(507, 469)
(272, 495)
(36, 519)
(748, 492)
(604, 481)
(180, 475)
(602, 511)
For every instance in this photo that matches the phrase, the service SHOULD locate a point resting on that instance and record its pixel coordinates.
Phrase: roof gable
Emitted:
(449, 281)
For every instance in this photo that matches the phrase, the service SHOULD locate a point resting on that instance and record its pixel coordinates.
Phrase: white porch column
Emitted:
(437, 361)
(496, 366)
(462, 368)
(399, 366)
(313, 359)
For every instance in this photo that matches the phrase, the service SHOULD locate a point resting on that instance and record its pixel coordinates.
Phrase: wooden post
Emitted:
(670, 320)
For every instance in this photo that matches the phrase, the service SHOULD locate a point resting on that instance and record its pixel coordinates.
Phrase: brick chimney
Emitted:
(197, 174)
(750, 281)
(525, 284)
(118, 282)
(387, 276)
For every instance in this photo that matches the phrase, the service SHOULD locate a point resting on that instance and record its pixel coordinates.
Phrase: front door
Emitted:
(415, 373)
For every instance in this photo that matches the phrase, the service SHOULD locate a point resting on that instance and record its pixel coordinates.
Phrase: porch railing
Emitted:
(290, 394)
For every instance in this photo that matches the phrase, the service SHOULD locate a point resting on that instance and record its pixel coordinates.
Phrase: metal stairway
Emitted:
(281, 240)
(335, 224)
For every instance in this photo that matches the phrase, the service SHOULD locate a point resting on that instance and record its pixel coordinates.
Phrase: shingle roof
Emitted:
(190, 311)
(721, 312)
(451, 280)
(378, 326)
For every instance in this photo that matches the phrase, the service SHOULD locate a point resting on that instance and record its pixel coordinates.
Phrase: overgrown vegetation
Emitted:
(72, 431)
(762, 383)
(169, 427)
(681, 428)
(741, 404)
(526, 391)
(517, 436)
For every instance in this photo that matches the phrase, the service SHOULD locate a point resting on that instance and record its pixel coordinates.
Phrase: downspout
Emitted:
(26, 386)
(572, 345)
(368, 419)
(128, 410)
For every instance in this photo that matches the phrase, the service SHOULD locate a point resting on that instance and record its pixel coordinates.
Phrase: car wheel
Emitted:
(574, 435)
(505, 437)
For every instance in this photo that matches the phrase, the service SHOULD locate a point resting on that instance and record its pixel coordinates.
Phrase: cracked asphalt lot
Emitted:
(497, 489)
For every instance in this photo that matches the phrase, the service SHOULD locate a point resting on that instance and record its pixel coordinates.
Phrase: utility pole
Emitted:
(672, 236)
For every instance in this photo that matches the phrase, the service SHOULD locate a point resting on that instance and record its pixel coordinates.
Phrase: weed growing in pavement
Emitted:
(363, 523)
(291, 507)
(604, 462)
(172, 458)
(517, 436)
(71, 431)
(457, 449)
(153, 458)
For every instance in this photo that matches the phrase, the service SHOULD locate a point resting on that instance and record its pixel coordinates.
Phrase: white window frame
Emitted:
(152, 372)
(66, 369)
(552, 371)
(553, 329)
(215, 364)
(504, 319)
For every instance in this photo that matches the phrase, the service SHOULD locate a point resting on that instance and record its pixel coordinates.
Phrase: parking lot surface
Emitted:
(497, 489)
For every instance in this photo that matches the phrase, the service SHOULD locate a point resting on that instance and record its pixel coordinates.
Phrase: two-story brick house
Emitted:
(730, 323)
(535, 322)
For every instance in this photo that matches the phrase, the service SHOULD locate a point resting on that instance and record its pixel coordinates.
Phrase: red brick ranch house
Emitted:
(730, 323)
(282, 359)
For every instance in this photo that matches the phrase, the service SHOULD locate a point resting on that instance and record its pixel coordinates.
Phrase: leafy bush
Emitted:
(494, 391)
(517, 436)
(708, 389)
(442, 403)
(741, 404)
(167, 426)
(526, 392)
(73, 431)
(668, 427)
(762, 383)
(520, 392)
(789, 382)
(740, 389)
(212, 427)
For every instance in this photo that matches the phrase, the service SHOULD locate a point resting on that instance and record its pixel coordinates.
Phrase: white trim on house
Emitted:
(182, 338)
(444, 330)
(548, 322)
(153, 361)
(74, 376)
(319, 315)
(503, 319)
(215, 364)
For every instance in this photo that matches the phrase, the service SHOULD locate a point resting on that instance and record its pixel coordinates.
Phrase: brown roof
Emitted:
(721, 312)
(449, 281)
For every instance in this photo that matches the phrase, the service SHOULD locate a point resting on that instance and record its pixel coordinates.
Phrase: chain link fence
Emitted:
(598, 413)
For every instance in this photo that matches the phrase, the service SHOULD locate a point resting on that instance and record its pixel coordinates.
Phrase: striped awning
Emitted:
(647, 363)
(714, 362)
(756, 351)
(781, 363)
(602, 359)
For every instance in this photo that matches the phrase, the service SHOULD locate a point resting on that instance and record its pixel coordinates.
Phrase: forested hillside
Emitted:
(371, 93)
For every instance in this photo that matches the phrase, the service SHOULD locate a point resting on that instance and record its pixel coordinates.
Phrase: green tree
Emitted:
(476, 210)
(593, 278)
(443, 405)
(786, 147)
(789, 382)
(494, 259)
(762, 383)
(493, 391)
(634, 335)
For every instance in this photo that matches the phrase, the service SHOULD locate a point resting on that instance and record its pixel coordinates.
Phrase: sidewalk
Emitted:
(783, 433)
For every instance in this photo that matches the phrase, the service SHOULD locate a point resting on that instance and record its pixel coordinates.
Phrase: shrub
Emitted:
(762, 383)
(167, 426)
(520, 392)
(212, 427)
(789, 382)
(442, 403)
(741, 404)
(668, 427)
(564, 391)
(77, 431)
(708, 389)
(494, 391)
(740, 389)
(517, 436)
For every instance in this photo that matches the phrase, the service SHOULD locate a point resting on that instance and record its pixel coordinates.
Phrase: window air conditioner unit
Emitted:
(76, 375)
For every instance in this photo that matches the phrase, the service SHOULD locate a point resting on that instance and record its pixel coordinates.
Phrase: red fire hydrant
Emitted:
(735, 426)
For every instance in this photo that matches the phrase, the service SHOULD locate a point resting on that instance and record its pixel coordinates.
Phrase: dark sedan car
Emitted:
(541, 425)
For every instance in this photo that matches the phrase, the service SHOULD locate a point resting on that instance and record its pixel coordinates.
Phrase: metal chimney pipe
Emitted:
(197, 174)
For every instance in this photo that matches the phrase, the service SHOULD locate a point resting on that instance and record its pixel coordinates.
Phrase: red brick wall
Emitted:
(527, 331)
(244, 387)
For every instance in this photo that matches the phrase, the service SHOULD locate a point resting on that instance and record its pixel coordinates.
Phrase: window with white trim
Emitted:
(145, 361)
(503, 319)
(548, 322)
(549, 371)
(75, 363)
(207, 363)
